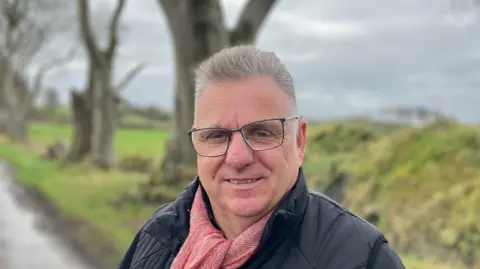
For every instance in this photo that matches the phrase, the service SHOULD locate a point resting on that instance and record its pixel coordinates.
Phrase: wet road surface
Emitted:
(22, 244)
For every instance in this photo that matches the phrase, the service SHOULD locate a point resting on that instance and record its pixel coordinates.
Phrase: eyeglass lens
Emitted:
(260, 135)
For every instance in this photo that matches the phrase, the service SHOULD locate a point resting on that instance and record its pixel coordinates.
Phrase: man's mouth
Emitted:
(243, 181)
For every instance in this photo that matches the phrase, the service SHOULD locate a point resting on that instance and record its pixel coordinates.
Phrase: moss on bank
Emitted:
(424, 184)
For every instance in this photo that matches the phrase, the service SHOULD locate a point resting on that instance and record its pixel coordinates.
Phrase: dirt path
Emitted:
(22, 243)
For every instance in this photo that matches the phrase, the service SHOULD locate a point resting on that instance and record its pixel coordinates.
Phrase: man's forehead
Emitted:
(220, 114)
(233, 104)
(233, 124)
(259, 88)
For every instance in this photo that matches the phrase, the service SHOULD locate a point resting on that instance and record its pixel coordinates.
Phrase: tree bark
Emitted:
(82, 122)
(250, 22)
(198, 31)
(16, 128)
(81, 103)
(103, 101)
(4, 83)
(16, 114)
(104, 120)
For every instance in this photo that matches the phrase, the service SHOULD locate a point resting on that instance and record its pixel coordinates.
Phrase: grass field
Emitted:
(85, 193)
(127, 141)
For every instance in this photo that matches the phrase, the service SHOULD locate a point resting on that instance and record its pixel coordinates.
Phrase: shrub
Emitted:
(135, 163)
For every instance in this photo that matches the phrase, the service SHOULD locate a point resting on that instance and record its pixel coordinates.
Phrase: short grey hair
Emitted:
(242, 62)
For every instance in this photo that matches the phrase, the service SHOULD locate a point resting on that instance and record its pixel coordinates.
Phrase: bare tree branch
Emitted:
(86, 31)
(15, 12)
(47, 67)
(87, 35)
(250, 21)
(173, 12)
(113, 34)
(37, 85)
(131, 74)
(28, 42)
(27, 26)
(171, 6)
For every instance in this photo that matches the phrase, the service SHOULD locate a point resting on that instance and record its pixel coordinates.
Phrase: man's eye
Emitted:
(216, 136)
(262, 133)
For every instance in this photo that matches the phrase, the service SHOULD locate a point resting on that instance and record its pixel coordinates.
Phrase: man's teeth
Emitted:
(242, 181)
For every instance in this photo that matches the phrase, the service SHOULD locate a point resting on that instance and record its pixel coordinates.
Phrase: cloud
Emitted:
(156, 70)
(305, 26)
(298, 57)
(363, 100)
(346, 57)
(315, 97)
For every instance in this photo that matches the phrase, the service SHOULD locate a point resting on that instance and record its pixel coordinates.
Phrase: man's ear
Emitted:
(301, 139)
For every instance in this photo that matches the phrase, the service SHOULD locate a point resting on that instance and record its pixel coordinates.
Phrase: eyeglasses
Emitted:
(259, 135)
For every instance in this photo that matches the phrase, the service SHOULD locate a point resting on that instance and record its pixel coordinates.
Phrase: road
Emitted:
(22, 244)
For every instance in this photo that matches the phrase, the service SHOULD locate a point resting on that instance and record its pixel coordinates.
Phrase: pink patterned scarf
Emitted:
(207, 247)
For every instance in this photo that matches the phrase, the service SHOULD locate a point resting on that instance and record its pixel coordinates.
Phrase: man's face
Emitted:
(231, 105)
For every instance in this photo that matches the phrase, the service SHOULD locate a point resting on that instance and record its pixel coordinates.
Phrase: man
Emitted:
(250, 207)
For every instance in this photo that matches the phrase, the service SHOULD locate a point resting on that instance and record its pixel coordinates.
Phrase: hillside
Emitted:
(420, 185)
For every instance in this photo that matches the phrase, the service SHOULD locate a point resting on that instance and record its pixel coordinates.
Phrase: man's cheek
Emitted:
(209, 165)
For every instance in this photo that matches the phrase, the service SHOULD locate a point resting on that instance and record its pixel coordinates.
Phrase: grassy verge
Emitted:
(81, 192)
(415, 263)
(424, 184)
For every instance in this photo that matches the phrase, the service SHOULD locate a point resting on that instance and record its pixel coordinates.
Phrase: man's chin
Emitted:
(247, 208)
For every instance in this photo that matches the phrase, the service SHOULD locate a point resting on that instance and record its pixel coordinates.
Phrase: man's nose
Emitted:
(239, 154)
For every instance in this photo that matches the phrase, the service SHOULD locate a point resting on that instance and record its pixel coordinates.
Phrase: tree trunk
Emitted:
(198, 31)
(95, 118)
(81, 103)
(104, 101)
(104, 120)
(3, 120)
(82, 122)
(16, 128)
(16, 114)
(3, 98)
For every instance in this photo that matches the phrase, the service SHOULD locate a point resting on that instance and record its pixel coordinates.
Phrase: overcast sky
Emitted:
(347, 57)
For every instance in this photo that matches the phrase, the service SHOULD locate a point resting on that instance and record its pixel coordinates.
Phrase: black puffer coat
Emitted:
(308, 230)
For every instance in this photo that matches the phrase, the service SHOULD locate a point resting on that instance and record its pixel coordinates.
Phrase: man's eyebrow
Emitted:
(212, 125)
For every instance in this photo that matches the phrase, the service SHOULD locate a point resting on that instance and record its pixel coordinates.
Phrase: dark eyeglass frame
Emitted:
(230, 133)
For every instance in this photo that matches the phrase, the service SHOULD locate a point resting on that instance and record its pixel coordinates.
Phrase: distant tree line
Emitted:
(51, 109)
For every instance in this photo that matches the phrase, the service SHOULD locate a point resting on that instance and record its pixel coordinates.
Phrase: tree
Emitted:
(51, 100)
(95, 110)
(19, 84)
(198, 31)
(27, 27)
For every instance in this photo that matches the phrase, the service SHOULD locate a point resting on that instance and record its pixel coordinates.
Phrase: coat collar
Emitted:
(287, 215)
